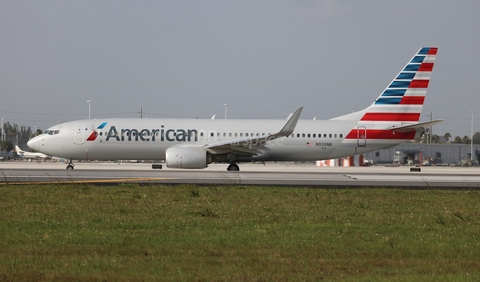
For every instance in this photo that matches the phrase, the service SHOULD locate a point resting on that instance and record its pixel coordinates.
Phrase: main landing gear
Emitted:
(70, 164)
(233, 167)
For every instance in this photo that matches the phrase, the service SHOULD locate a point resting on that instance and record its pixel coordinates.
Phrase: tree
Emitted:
(435, 138)
(6, 146)
(476, 138)
(457, 140)
(14, 129)
(447, 136)
(466, 140)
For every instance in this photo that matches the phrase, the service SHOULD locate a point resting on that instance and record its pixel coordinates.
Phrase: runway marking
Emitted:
(110, 180)
(434, 178)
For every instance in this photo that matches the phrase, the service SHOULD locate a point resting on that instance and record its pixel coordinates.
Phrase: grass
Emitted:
(237, 233)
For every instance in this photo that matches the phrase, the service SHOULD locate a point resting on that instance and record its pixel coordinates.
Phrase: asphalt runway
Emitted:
(250, 174)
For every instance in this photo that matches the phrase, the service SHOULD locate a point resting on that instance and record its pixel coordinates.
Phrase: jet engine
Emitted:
(187, 157)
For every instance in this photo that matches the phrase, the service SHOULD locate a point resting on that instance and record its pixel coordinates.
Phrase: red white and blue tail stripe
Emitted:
(400, 104)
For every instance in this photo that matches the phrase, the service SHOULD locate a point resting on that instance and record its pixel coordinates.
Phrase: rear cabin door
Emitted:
(361, 136)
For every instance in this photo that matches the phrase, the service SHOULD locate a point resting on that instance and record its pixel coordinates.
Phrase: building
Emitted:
(412, 153)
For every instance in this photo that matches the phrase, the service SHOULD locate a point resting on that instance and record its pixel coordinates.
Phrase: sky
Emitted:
(264, 58)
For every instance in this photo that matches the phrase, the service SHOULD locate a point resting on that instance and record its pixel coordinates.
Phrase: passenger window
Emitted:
(308, 135)
(314, 135)
(325, 135)
(298, 135)
(341, 135)
(335, 135)
(329, 135)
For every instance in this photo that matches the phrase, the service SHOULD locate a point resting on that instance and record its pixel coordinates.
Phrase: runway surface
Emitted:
(250, 174)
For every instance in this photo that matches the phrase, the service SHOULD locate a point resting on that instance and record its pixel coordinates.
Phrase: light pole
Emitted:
(471, 138)
(225, 105)
(1, 136)
(34, 130)
(89, 103)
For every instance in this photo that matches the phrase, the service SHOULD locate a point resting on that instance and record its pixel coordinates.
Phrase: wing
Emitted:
(253, 145)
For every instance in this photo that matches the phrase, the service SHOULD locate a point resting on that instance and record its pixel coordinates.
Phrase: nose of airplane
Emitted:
(35, 143)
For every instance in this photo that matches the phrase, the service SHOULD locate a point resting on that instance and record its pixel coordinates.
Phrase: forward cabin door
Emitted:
(79, 134)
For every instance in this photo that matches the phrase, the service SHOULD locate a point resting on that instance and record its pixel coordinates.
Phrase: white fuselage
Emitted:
(148, 139)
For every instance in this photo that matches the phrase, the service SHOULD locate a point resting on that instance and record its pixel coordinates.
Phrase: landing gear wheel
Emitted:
(70, 164)
(233, 167)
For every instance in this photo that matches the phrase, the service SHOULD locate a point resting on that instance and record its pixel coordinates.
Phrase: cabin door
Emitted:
(361, 136)
(79, 134)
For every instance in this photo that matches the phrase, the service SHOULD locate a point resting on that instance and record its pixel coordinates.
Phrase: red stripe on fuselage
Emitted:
(381, 134)
(412, 100)
(391, 116)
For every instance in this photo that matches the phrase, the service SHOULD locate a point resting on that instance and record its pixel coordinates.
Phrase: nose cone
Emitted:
(35, 143)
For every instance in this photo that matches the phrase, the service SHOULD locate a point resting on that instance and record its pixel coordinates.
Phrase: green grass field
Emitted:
(237, 233)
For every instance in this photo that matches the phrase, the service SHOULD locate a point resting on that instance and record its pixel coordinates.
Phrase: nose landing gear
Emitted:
(70, 164)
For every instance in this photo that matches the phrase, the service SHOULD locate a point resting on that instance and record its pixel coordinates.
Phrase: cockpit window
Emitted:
(52, 132)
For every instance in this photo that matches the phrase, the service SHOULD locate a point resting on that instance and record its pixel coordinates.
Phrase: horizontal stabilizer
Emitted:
(416, 126)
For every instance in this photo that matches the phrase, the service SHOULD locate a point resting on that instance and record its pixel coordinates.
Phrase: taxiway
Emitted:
(250, 174)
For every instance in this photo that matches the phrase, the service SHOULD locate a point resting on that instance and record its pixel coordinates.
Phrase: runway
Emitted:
(298, 175)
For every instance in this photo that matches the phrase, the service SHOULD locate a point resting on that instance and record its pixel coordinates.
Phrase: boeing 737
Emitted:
(29, 155)
(393, 118)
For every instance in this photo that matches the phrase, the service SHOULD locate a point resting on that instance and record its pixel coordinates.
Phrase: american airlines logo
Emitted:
(169, 135)
(94, 134)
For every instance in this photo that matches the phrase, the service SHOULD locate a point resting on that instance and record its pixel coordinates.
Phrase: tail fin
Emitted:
(18, 150)
(403, 99)
(395, 113)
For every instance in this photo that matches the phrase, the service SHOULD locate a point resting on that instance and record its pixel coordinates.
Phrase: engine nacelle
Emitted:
(187, 157)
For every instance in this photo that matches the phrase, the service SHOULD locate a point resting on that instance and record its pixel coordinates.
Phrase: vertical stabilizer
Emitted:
(400, 104)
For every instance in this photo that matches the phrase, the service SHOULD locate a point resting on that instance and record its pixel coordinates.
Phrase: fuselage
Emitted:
(148, 139)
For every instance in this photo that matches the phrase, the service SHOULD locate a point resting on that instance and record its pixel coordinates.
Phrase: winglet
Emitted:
(289, 127)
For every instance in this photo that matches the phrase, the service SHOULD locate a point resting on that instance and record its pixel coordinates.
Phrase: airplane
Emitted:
(393, 118)
(29, 155)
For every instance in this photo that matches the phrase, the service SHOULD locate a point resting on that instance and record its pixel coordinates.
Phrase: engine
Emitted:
(187, 157)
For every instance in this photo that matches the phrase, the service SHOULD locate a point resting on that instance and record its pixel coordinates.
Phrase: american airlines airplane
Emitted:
(29, 155)
(393, 118)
